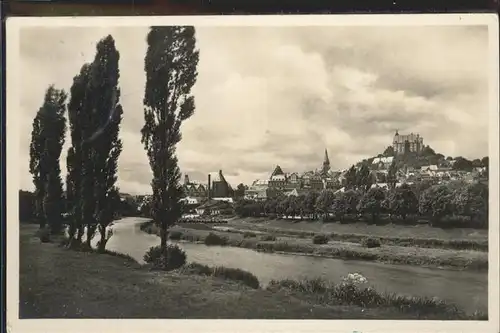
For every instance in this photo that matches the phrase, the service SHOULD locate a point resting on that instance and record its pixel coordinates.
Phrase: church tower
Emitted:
(326, 163)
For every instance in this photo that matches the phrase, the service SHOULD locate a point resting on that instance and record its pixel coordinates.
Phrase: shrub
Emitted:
(320, 239)
(44, 235)
(354, 290)
(234, 274)
(249, 234)
(268, 238)
(214, 239)
(175, 235)
(370, 242)
(176, 257)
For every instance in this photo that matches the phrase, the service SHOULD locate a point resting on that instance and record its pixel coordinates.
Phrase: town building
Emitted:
(218, 187)
(405, 143)
(193, 190)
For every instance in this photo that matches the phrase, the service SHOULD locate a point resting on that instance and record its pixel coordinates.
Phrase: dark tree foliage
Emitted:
(26, 206)
(47, 139)
(402, 201)
(372, 202)
(77, 112)
(485, 161)
(171, 71)
(462, 164)
(95, 116)
(350, 178)
(102, 140)
(389, 151)
(364, 178)
(436, 202)
(240, 191)
(392, 174)
(472, 200)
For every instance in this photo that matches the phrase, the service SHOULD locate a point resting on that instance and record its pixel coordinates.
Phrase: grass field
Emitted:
(419, 256)
(423, 231)
(60, 283)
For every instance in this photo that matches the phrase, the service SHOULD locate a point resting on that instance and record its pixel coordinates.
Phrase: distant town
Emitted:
(411, 159)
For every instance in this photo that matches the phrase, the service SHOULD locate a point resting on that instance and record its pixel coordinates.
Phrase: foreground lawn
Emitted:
(59, 283)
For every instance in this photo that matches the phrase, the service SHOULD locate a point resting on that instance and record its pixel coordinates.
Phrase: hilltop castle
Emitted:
(404, 143)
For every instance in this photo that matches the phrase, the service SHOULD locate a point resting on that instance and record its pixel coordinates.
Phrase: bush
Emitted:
(268, 238)
(214, 239)
(175, 255)
(234, 274)
(175, 235)
(320, 239)
(371, 242)
(354, 290)
(249, 234)
(44, 235)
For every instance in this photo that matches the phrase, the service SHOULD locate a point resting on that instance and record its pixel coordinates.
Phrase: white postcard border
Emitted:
(14, 86)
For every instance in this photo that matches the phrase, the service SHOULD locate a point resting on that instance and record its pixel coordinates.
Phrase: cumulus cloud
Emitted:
(268, 96)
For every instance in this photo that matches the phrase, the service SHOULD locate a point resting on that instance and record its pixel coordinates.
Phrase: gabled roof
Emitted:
(277, 171)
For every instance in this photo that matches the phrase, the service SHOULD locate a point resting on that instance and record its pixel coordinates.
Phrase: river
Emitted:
(469, 290)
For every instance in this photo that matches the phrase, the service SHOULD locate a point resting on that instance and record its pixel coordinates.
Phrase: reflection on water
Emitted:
(469, 290)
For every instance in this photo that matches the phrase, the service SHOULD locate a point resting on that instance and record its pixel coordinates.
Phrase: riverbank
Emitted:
(269, 242)
(389, 234)
(56, 282)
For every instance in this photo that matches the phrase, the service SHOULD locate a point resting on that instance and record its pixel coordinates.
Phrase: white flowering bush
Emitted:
(354, 289)
(355, 279)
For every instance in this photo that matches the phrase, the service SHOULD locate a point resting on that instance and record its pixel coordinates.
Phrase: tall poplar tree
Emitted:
(76, 115)
(171, 71)
(103, 142)
(95, 117)
(47, 139)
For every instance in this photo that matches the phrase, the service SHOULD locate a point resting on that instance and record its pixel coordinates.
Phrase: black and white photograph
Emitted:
(330, 168)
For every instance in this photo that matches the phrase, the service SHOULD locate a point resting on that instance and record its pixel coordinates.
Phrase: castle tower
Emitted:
(186, 179)
(326, 163)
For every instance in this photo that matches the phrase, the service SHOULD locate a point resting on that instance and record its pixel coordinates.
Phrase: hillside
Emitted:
(429, 157)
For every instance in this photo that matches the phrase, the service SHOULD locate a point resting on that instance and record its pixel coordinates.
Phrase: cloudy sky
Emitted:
(268, 95)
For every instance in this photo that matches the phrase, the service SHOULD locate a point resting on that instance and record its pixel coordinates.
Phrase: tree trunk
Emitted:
(102, 242)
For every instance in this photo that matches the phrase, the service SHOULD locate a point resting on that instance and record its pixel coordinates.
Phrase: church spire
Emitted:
(326, 163)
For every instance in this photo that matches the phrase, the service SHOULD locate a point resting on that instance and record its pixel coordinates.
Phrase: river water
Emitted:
(469, 290)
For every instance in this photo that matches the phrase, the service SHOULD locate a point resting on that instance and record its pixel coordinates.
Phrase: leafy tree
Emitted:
(436, 202)
(47, 139)
(351, 198)
(364, 178)
(371, 203)
(485, 161)
(293, 207)
(310, 203)
(476, 163)
(170, 64)
(419, 187)
(392, 175)
(26, 206)
(402, 201)
(77, 114)
(240, 191)
(104, 143)
(389, 151)
(270, 206)
(462, 164)
(324, 202)
(472, 200)
(339, 206)
(350, 178)
(428, 151)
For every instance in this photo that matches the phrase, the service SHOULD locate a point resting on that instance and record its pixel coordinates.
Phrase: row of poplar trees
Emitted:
(94, 114)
